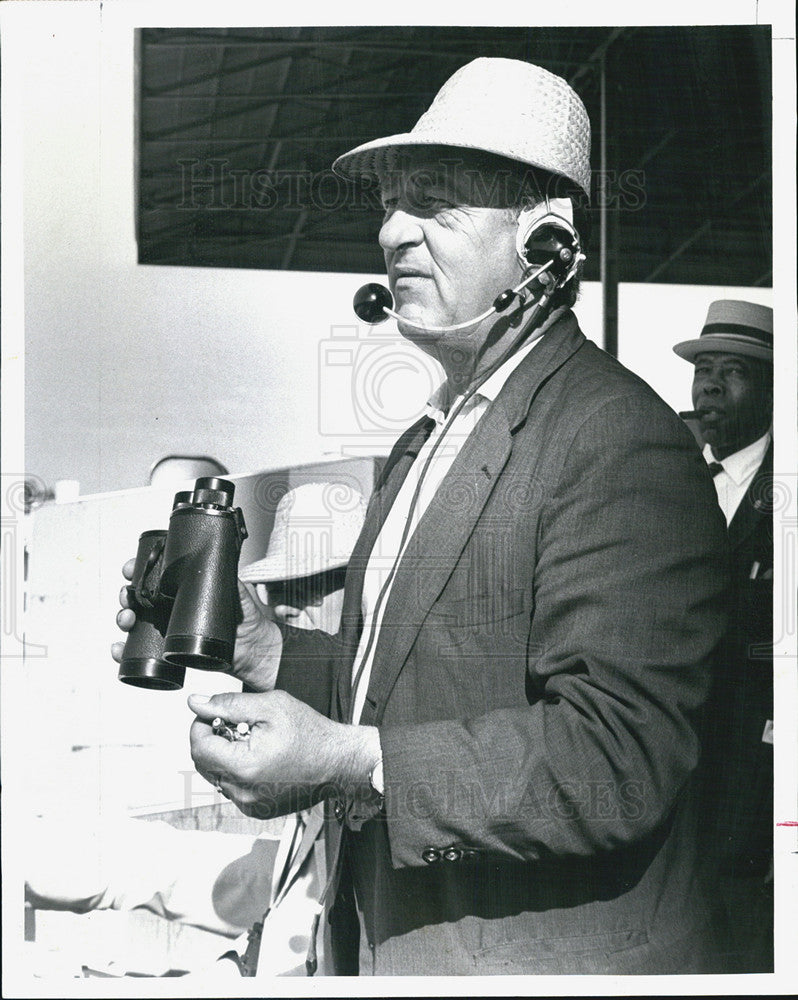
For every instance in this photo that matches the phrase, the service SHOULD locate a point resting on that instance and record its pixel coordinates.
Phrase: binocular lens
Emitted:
(213, 491)
(199, 651)
(151, 673)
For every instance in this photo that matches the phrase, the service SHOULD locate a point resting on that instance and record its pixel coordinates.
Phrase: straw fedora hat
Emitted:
(315, 529)
(506, 107)
(734, 327)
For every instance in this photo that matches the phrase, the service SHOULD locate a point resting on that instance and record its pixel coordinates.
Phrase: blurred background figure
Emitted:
(221, 882)
(733, 403)
(301, 577)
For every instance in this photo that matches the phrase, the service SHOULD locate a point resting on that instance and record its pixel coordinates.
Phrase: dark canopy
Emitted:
(237, 129)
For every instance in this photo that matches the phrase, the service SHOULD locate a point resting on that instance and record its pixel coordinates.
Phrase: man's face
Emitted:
(448, 242)
(733, 397)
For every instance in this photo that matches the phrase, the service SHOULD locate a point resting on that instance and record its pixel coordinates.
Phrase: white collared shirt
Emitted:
(738, 471)
(389, 547)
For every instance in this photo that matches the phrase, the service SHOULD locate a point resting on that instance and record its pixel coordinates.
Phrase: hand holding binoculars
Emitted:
(184, 590)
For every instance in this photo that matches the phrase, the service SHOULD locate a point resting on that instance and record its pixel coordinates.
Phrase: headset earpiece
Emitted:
(546, 232)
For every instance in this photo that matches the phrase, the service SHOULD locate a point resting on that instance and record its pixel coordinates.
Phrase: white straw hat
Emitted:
(734, 327)
(502, 106)
(315, 529)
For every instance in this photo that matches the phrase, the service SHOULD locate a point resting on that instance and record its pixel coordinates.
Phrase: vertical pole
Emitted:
(608, 249)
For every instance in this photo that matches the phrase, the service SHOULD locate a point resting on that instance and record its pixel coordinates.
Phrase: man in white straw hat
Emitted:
(301, 577)
(531, 606)
(733, 399)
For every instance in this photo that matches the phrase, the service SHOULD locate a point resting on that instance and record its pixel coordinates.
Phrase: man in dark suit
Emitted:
(530, 609)
(733, 400)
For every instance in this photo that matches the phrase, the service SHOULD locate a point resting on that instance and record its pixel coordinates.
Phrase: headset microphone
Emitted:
(370, 303)
(374, 303)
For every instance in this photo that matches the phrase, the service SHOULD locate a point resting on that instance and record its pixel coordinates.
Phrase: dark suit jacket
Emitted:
(739, 771)
(542, 659)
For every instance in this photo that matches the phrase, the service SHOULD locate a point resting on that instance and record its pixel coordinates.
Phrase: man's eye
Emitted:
(420, 199)
(430, 200)
(439, 201)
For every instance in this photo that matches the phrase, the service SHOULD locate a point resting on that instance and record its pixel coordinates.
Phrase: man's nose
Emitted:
(401, 228)
(712, 386)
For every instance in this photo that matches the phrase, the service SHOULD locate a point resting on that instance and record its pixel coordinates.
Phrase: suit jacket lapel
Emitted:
(433, 549)
(440, 537)
(755, 504)
(389, 484)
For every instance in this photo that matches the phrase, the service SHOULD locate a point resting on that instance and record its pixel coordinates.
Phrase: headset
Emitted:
(546, 242)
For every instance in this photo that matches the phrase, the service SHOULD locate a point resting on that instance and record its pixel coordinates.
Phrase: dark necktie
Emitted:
(715, 468)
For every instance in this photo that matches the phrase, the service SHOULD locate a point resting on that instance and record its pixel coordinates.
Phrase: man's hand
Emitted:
(258, 646)
(293, 757)
(259, 642)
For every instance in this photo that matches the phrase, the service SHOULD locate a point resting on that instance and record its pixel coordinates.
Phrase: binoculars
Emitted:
(184, 590)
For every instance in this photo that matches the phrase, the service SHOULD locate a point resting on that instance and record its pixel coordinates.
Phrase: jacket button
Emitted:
(339, 810)
(452, 854)
(431, 855)
(469, 854)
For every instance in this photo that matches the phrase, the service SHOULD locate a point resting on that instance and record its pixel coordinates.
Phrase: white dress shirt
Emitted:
(739, 470)
(390, 544)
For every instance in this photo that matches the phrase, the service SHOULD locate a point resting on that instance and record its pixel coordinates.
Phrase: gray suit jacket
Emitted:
(543, 654)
